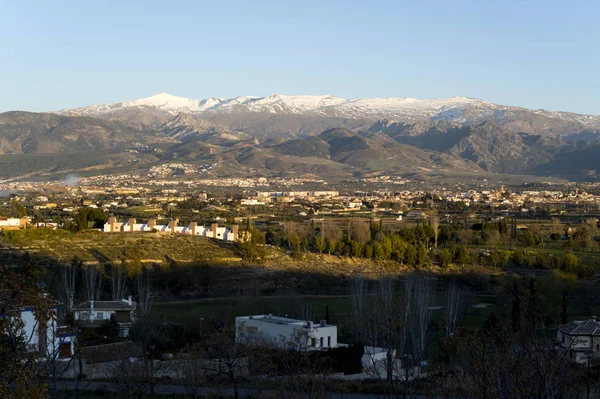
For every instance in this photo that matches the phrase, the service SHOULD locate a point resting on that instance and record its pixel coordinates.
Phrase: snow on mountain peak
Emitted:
(323, 105)
(167, 102)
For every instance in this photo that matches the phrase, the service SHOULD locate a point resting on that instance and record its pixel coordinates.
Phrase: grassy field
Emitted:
(97, 246)
(589, 257)
(202, 314)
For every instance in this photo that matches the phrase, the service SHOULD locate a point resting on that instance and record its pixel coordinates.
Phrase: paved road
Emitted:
(180, 389)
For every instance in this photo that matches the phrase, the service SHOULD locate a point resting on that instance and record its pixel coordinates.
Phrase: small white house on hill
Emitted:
(321, 335)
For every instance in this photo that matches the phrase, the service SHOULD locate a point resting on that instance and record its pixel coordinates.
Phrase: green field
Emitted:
(95, 246)
(203, 314)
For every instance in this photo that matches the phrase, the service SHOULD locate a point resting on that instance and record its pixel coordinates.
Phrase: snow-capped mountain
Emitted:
(373, 108)
(457, 109)
(279, 135)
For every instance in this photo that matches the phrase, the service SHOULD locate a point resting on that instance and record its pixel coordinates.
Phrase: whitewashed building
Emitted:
(212, 231)
(321, 335)
(13, 223)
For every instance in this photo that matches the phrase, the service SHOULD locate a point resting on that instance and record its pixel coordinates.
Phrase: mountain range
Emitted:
(311, 136)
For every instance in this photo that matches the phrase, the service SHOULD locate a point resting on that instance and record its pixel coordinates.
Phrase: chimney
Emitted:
(151, 224)
(129, 301)
(213, 228)
(594, 318)
(310, 325)
(91, 305)
(193, 228)
(172, 225)
(235, 230)
(323, 323)
(131, 224)
(112, 220)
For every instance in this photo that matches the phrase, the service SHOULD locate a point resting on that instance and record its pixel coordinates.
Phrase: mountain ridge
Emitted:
(457, 108)
(282, 135)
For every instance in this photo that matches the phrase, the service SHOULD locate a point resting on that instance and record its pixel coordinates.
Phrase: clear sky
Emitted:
(62, 54)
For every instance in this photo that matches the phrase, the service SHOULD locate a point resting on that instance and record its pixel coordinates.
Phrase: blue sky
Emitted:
(62, 54)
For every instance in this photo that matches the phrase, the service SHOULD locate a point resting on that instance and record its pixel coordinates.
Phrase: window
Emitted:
(598, 347)
(321, 342)
(329, 342)
(64, 350)
(313, 342)
(563, 338)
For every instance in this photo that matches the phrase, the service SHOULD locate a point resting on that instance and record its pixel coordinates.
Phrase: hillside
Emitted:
(98, 247)
(27, 132)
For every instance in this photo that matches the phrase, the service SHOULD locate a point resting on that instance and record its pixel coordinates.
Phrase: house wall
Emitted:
(95, 315)
(596, 345)
(213, 231)
(578, 345)
(287, 331)
(574, 342)
(43, 340)
(12, 223)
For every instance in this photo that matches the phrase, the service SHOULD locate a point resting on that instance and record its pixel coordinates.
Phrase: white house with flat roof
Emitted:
(319, 335)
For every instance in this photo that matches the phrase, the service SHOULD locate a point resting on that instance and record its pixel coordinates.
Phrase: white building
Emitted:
(580, 338)
(96, 313)
(46, 339)
(213, 231)
(321, 335)
(251, 202)
(12, 223)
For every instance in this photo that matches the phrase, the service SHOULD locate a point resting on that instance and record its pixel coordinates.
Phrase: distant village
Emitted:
(126, 197)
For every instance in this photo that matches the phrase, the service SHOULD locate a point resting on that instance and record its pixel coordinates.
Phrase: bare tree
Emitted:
(118, 280)
(192, 376)
(380, 322)
(495, 363)
(68, 281)
(332, 231)
(92, 282)
(307, 312)
(358, 230)
(419, 297)
(133, 375)
(227, 356)
(303, 374)
(435, 225)
(144, 291)
(454, 308)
